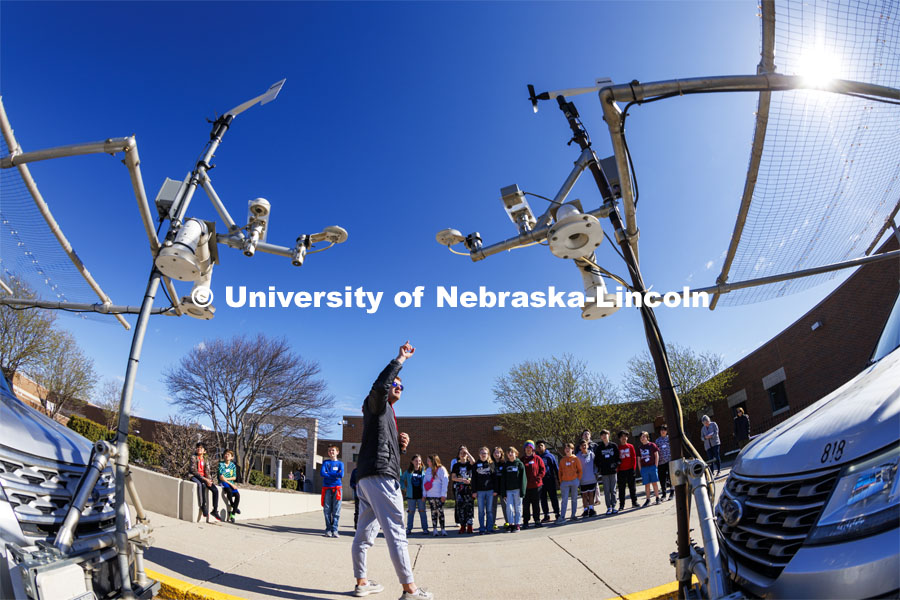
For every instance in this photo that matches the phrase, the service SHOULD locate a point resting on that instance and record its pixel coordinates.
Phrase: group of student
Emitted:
(525, 487)
(522, 487)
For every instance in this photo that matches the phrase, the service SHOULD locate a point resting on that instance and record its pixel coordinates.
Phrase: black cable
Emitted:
(166, 292)
(543, 198)
(75, 310)
(637, 193)
(614, 247)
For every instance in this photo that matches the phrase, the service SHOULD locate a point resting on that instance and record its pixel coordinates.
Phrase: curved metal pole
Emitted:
(642, 92)
(137, 342)
(112, 145)
(766, 65)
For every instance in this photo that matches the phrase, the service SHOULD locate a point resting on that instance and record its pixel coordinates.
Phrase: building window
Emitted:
(355, 458)
(778, 397)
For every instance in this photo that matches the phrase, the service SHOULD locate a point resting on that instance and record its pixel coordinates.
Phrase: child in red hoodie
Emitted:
(534, 472)
(627, 468)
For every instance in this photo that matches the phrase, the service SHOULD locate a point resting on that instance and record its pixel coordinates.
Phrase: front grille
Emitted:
(778, 513)
(40, 492)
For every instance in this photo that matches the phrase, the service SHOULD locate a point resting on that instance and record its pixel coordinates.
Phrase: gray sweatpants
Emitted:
(381, 507)
(609, 490)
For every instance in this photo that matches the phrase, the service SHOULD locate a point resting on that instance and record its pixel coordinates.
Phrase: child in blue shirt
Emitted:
(332, 473)
(227, 478)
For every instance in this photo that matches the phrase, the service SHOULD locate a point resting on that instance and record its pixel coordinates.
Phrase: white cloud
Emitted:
(709, 265)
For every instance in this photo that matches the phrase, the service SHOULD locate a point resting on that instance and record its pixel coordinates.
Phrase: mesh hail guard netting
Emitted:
(829, 174)
(30, 252)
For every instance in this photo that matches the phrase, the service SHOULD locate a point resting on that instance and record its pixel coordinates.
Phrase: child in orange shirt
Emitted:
(570, 477)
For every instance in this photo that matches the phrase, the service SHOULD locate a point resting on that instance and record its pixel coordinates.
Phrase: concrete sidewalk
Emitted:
(287, 557)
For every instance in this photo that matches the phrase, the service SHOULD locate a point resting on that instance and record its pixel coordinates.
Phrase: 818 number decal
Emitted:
(833, 452)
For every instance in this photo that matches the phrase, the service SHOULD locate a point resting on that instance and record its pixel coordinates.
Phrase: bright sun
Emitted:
(817, 67)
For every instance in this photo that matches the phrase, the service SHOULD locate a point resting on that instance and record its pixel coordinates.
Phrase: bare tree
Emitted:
(699, 379)
(65, 374)
(25, 333)
(108, 398)
(252, 389)
(178, 437)
(553, 399)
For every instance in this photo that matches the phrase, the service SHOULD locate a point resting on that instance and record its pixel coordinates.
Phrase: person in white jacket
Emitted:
(436, 481)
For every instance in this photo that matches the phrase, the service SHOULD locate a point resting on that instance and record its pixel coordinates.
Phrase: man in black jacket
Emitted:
(378, 486)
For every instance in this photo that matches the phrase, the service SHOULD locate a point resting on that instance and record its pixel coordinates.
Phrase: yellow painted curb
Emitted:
(176, 589)
(668, 591)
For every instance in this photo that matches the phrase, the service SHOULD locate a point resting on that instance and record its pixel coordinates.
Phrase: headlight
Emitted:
(865, 501)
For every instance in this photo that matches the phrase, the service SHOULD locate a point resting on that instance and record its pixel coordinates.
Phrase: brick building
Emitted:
(430, 435)
(815, 355)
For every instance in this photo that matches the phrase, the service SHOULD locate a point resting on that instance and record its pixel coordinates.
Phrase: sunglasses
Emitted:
(399, 386)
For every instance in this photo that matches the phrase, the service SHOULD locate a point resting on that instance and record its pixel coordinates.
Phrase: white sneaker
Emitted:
(370, 588)
(435, 533)
(443, 533)
(419, 594)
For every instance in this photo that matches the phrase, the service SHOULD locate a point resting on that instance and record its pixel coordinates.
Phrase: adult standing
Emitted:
(355, 498)
(665, 455)
(741, 428)
(551, 482)
(711, 442)
(378, 485)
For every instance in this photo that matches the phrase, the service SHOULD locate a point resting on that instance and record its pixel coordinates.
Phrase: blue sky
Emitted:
(397, 120)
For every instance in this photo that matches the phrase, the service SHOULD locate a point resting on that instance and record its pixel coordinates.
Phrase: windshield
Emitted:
(4, 386)
(890, 337)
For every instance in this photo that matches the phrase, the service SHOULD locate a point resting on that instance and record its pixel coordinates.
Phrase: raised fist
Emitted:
(406, 351)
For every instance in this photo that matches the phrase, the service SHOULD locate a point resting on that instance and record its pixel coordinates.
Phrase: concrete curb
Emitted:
(667, 591)
(176, 589)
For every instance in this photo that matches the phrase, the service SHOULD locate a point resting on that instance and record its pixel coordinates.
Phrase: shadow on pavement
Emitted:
(194, 568)
(315, 532)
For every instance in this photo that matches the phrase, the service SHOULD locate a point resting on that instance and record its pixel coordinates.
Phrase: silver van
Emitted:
(41, 464)
(811, 508)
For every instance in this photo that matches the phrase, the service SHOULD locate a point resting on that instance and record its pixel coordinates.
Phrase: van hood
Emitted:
(26, 430)
(864, 413)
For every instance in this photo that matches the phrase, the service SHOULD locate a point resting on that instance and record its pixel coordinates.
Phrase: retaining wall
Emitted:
(177, 498)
